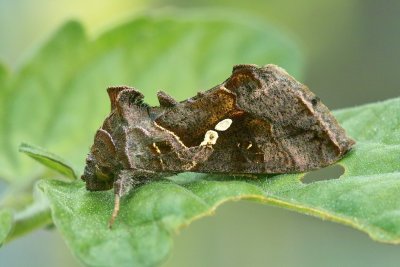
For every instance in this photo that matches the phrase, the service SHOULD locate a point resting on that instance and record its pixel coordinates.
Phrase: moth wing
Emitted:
(283, 127)
(278, 125)
(191, 119)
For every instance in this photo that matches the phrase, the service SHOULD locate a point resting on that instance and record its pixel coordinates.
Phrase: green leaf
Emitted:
(31, 216)
(58, 99)
(6, 223)
(366, 197)
(49, 160)
(4, 166)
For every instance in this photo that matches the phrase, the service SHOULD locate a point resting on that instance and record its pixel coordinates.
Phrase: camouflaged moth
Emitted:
(259, 121)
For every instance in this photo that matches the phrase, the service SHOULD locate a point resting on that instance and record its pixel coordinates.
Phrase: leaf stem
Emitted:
(30, 224)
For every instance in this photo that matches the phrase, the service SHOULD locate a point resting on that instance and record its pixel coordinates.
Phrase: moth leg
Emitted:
(127, 179)
(121, 186)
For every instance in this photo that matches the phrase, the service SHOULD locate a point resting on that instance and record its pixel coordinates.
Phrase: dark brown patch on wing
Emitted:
(191, 119)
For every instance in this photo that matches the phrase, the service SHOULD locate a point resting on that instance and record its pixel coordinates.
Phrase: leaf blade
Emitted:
(6, 224)
(367, 201)
(49, 160)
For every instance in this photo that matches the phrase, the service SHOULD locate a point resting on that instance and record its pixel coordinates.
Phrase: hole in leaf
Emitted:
(327, 173)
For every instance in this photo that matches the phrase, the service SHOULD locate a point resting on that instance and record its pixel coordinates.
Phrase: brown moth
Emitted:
(259, 121)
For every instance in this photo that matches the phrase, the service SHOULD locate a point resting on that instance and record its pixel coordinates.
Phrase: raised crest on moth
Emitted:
(259, 121)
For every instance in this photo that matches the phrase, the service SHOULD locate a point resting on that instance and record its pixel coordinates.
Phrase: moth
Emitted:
(259, 121)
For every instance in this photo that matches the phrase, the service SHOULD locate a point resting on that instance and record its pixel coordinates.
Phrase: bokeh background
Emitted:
(352, 56)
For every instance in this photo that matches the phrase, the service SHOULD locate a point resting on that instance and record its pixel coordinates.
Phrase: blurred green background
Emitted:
(351, 51)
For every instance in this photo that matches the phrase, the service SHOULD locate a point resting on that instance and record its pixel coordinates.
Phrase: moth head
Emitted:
(100, 163)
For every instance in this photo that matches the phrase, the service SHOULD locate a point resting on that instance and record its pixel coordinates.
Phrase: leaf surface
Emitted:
(6, 223)
(49, 160)
(365, 197)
